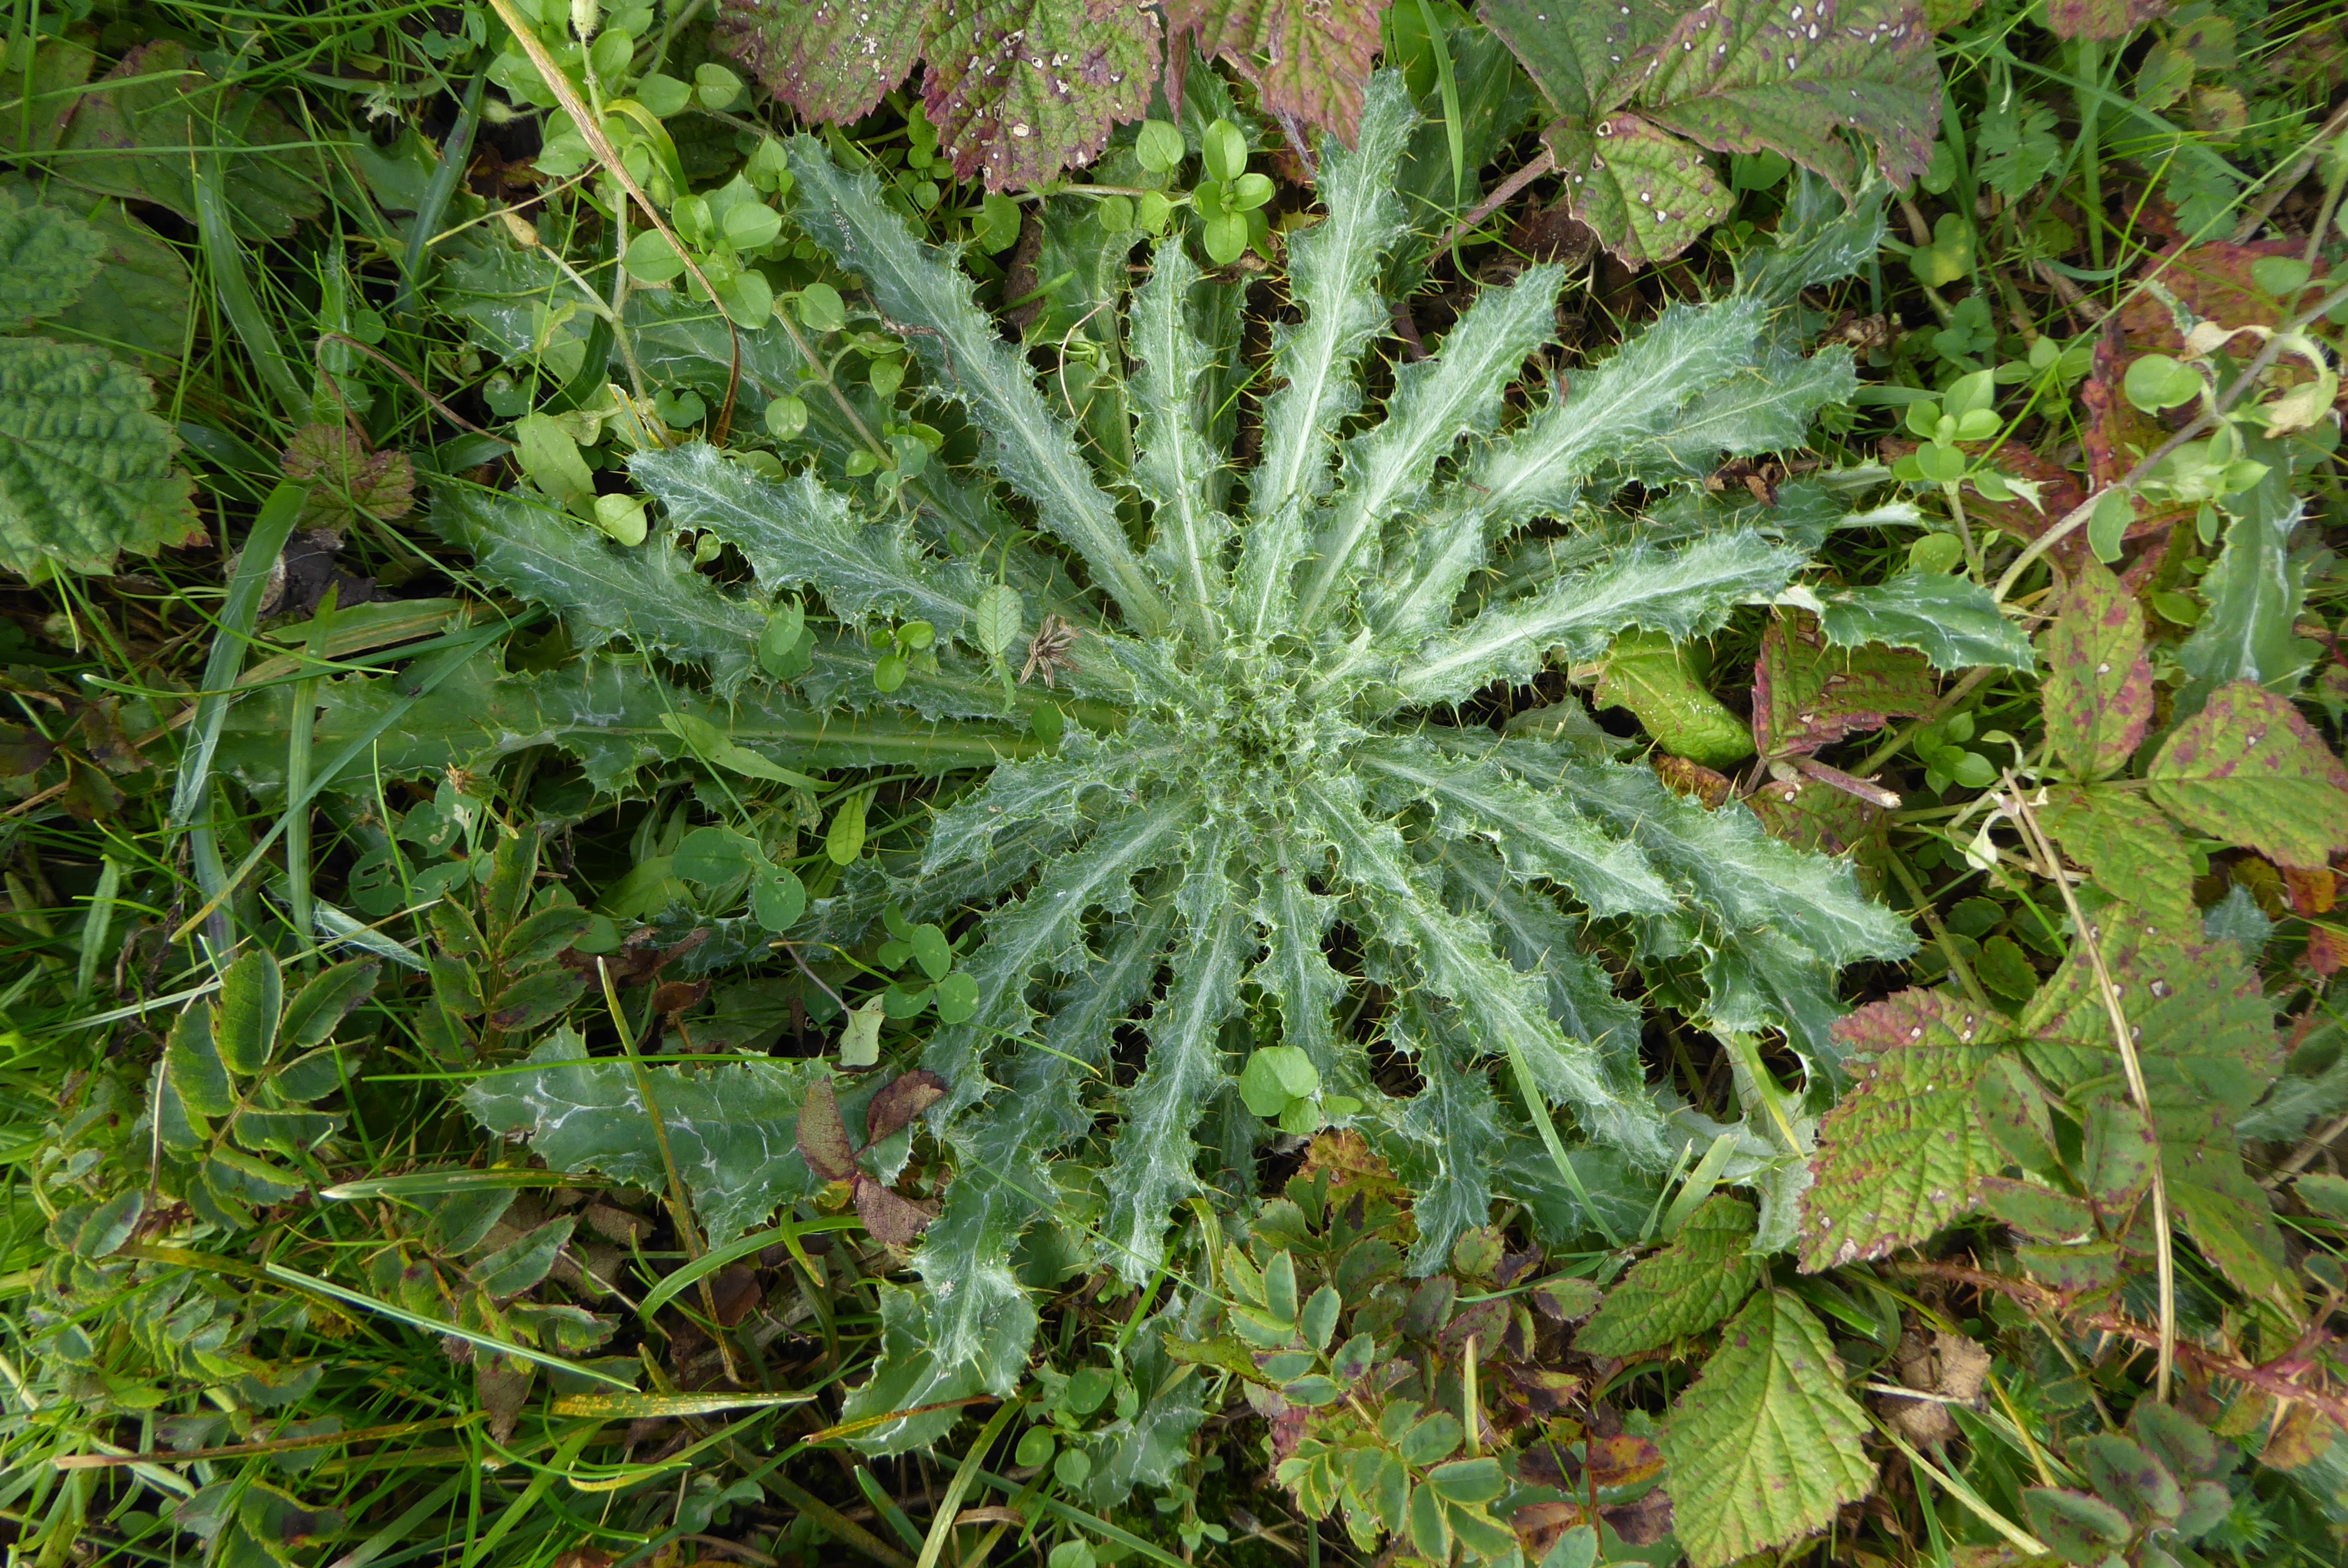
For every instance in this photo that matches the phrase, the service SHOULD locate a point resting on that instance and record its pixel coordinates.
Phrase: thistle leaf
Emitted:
(648, 593)
(1686, 593)
(966, 360)
(586, 1114)
(1766, 1445)
(798, 534)
(1175, 462)
(1952, 620)
(1436, 402)
(1151, 1163)
(1332, 278)
(1450, 1137)
(1294, 971)
(1003, 1182)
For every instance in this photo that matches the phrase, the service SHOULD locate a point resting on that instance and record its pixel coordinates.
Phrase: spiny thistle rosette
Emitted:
(1275, 774)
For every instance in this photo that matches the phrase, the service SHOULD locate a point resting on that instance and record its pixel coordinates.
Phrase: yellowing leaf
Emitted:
(1765, 1446)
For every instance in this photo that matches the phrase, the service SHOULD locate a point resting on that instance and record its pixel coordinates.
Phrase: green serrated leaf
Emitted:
(1309, 62)
(48, 257)
(583, 1115)
(829, 62)
(2248, 770)
(246, 1019)
(1765, 1446)
(1901, 1154)
(85, 469)
(2098, 688)
(1952, 620)
(2133, 851)
(1648, 193)
(1020, 126)
(1695, 1282)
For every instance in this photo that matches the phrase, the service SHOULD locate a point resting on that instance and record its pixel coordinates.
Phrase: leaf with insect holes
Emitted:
(1900, 1155)
(85, 466)
(1766, 1445)
(1684, 1290)
(2248, 770)
(829, 59)
(1807, 693)
(1648, 194)
(2098, 688)
(1309, 59)
(2132, 849)
(1020, 89)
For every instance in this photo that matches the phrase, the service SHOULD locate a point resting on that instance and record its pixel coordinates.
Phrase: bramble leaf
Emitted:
(1020, 89)
(2132, 850)
(829, 59)
(1765, 1446)
(1699, 1279)
(1309, 61)
(1900, 1155)
(2247, 769)
(2098, 688)
(1808, 694)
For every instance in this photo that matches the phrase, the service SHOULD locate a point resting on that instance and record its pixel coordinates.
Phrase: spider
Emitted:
(1049, 650)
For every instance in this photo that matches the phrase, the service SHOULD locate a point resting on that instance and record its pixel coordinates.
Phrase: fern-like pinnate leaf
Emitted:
(1268, 807)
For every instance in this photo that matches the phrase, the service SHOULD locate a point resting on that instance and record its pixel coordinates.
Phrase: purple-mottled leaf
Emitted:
(1788, 75)
(2098, 689)
(2132, 850)
(1309, 59)
(2247, 769)
(1807, 693)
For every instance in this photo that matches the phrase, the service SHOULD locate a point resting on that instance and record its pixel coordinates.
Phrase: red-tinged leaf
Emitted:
(2100, 18)
(23, 751)
(2247, 769)
(1583, 57)
(1745, 76)
(2098, 688)
(1814, 815)
(823, 1137)
(893, 1221)
(2132, 850)
(2213, 281)
(1902, 1153)
(899, 1102)
(831, 60)
(1309, 59)
(1807, 693)
(1021, 90)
